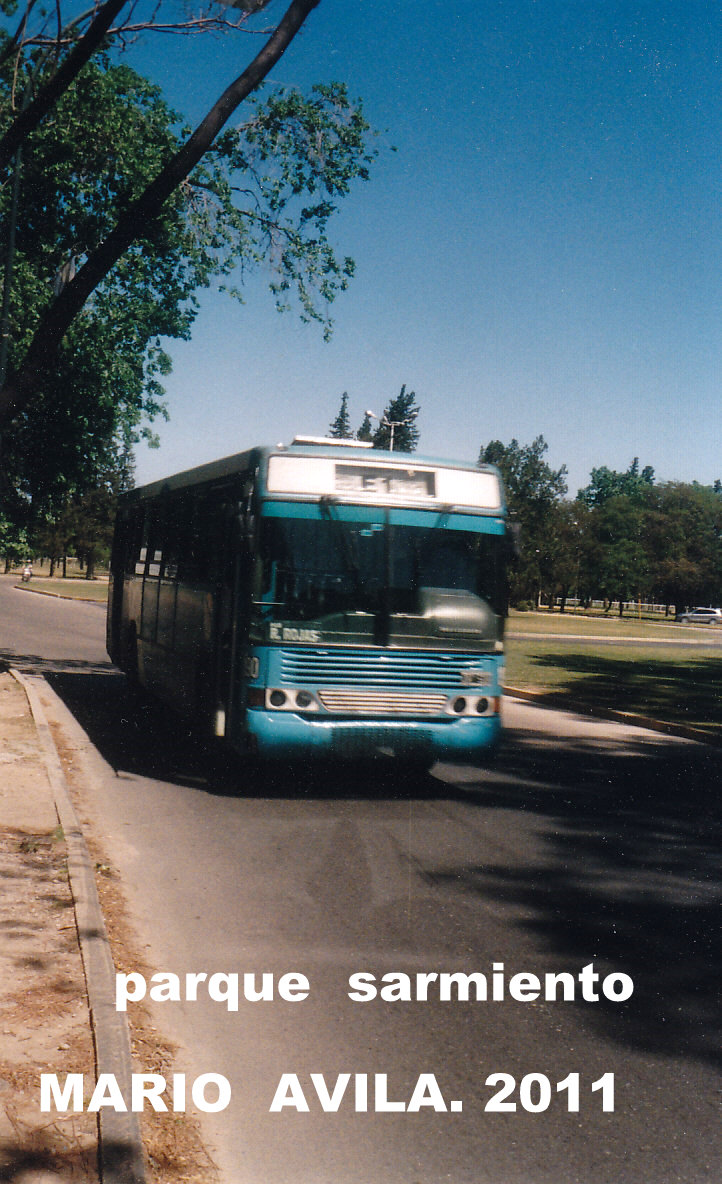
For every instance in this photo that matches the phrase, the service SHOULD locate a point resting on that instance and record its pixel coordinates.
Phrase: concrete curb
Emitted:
(558, 702)
(121, 1157)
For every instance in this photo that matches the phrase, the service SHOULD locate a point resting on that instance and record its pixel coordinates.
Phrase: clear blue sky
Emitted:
(541, 255)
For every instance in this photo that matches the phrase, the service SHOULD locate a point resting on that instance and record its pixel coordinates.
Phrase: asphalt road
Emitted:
(588, 843)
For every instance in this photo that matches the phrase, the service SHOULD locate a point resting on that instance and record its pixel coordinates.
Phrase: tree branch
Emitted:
(12, 42)
(63, 310)
(48, 95)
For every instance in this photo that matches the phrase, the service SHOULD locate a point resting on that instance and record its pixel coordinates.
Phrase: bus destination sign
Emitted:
(385, 481)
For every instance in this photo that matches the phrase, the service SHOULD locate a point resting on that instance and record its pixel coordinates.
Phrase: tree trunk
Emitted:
(52, 567)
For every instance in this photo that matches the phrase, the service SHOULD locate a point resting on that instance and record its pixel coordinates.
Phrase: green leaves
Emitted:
(263, 195)
(249, 199)
(533, 491)
(340, 427)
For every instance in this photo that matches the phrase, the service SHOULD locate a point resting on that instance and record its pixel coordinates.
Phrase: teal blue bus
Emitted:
(319, 600)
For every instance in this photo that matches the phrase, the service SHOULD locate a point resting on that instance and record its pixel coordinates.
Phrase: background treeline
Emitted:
(624, 538)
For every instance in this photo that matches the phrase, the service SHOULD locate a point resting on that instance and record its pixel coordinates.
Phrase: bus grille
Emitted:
(359, 702)
(351, 741)
(387, 670)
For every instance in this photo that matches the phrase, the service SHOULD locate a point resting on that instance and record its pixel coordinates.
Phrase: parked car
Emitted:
(702, 616)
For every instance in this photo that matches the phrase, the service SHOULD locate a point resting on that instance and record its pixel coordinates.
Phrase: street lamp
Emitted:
(391, 424)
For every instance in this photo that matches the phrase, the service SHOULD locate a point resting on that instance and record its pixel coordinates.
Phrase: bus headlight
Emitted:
(289, 700)
(473, 705)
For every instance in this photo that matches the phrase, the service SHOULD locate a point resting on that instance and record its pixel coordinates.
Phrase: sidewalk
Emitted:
(57, 979)
(44, 1017)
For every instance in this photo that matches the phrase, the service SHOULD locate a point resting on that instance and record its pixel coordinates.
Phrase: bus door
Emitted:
(233, 614)
(228, 612)
(118, 568)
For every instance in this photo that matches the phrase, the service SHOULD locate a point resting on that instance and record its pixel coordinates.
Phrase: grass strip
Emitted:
(72, 589)
(671, 687)
(612, 626)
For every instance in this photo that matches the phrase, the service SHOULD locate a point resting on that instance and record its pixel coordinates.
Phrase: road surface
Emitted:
(589, 845)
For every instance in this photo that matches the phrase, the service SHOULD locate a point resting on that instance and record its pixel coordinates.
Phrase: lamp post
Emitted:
(391, 424)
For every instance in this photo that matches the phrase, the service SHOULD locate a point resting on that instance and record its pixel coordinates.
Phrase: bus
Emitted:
(318, 600)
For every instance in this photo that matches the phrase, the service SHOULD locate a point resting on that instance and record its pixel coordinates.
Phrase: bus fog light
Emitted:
(277, 698)
(482, 705)
(459, 705)
(304, 699)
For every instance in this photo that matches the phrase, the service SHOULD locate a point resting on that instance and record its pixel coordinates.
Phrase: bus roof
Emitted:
(355, 461)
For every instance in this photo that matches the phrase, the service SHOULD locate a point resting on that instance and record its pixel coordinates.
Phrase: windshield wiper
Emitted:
(328, 506)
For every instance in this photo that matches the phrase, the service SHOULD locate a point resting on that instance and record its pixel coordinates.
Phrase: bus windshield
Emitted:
(333, 573)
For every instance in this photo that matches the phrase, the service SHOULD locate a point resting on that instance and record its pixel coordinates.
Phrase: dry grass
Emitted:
(43, 1013)
(173, 1142)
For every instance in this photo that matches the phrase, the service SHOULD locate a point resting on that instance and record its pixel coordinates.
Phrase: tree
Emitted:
(560, 569)
(105, 386)
(91, 521)
(606, 483)
(683, 542)
(14, 543)
(106, 378)
(532, 489)
(53, 538)
(397, 428)
(82, 36)
(340, 427)
(305, 261)
(528, 478)
(616, 555)
(366, 431)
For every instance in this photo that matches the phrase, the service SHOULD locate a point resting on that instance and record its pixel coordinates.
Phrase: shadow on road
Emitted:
(139, 736)
(19, 1164)
(625, 867)
(630, 875)
(36, 664)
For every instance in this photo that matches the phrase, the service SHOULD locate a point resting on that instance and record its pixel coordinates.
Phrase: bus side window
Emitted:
(203, 549)
(199, 549)
(135, 550)
(175, 536)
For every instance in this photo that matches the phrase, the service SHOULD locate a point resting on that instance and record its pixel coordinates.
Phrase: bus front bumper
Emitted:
(285, 734)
